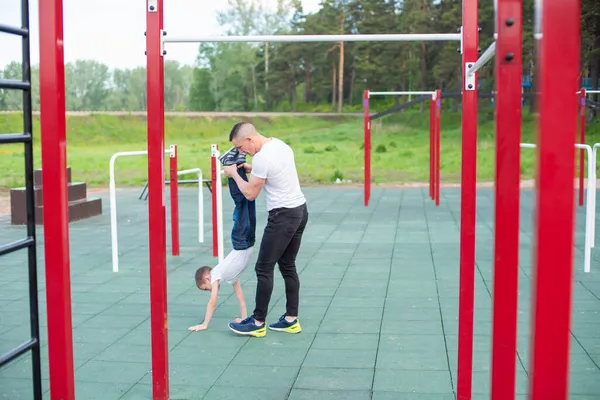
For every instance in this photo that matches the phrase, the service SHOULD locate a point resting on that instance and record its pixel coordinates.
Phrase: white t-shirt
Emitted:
(275, 163)
(231, 268)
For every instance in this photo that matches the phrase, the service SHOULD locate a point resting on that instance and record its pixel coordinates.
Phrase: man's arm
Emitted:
(249, 189)
(210, 308)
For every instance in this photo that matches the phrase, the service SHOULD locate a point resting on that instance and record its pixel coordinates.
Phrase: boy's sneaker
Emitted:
(284, 326)
(232, 157)
(249, 328)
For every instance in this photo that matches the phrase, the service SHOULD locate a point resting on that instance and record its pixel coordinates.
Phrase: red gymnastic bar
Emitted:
(174, 191)
(367, 148)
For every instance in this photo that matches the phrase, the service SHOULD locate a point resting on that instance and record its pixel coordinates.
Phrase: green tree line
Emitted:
(309, 76)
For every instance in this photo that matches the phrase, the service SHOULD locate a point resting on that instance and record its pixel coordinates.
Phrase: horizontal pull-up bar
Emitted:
(401, 93)
(485, 57)
(409, 37)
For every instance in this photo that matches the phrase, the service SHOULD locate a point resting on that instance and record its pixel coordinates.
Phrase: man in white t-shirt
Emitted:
(273, 170)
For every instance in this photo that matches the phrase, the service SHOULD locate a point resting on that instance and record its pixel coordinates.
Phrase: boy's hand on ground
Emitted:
(237, 320)
(197, 328)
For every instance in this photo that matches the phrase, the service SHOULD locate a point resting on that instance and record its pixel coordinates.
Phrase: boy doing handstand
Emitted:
(242, 237)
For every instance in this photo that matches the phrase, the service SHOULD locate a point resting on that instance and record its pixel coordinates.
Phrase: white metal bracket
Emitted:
(469, 78)
(152, 5)
(172, 151)
(162, 43)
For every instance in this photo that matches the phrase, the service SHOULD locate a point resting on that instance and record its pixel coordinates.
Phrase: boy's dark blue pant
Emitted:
(243, 234)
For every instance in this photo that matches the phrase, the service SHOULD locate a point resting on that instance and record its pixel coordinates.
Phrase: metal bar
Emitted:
(558, 61)
(401, 93)
(468, 194)
(17, 245)
(582, 111)
(18, 351)
(34, 323)
(156, 200)
(214, 167)
(199, 181)
(14, 84)
(366, 148)
(14, 30)
(56, 214)
(399, 107)
(431, 152)
(485, 57)
(6, 138)
(407, 37)
(507, 197)
(438, 112)
(174, 192)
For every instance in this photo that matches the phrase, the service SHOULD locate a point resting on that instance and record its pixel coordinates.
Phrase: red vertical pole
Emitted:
(432, 148)
(174, 190)
(581, 140)
(468, 201)
(56, 215)
(431, 151)
(558, 63)
(507, 191)
(367, 147)
(438, 111)
(156, 200)
(215, 221)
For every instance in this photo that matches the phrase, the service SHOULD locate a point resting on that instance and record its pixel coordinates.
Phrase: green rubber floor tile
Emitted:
(84, 334)
(279, 356)
(334, 378)
(394, 312)
(360, 313)
(89, 308)
(344, 325)
(142, 391)
(258, 376)
(128, 321)
(356, 302)
(340, 358)
(19, 389)
(111, 371)
(300, 341)
(379, 395)
(308, 394)
(344, 341)
(412, 360)
(122, 352)
(392, 380)
(399, 327)
(246, 393)
(101, 390)
(123, 308)
(195, 375)
(202, 355)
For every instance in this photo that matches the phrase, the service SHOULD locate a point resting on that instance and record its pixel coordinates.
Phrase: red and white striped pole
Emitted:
(174, 186)
(214, 165)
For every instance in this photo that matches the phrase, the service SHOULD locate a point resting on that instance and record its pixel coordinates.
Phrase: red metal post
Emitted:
(582, 141)
(215, 222)
(432, 149)
(56, 214)
(507, 191)
(438, 111)
(174, 190)
(367, 147)
(156, 200)
(558, 63)
(468, 193)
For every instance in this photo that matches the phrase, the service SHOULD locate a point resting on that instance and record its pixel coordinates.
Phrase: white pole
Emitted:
(407, 37)
(594, 160)
(485, 57)
(590, 207)
(113, 202)
(200, 201)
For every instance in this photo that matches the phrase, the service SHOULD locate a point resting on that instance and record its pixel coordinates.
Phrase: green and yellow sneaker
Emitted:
(284, 326)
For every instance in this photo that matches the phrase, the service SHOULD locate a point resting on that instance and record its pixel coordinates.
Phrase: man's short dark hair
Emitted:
(236, 129)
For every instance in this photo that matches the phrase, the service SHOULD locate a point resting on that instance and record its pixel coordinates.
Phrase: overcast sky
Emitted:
(112, 31)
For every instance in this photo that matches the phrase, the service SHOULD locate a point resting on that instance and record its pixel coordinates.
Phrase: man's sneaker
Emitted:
(232, 157)
(284, 326)
(248, 327)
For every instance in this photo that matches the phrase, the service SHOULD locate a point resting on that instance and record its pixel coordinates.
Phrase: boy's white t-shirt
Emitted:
(231, 268)
(275, 163)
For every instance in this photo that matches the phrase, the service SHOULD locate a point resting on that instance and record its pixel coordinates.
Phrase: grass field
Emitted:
(326, 148)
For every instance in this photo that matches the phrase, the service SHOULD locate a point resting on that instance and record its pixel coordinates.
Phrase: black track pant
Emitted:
(280, 244)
